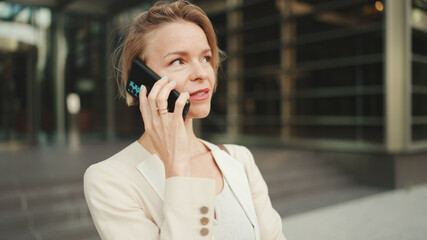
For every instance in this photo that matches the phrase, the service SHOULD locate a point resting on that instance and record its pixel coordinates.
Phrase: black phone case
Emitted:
(140, 74)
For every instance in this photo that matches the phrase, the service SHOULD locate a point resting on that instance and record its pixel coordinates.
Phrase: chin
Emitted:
(197, 112)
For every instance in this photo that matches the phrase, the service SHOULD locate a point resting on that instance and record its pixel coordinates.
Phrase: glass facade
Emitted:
(418, 25)
(309, 70)
(298, 72)
(85, 73)
(25, 107)
(45, 57)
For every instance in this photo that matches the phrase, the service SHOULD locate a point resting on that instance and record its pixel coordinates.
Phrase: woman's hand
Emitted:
(166, 130)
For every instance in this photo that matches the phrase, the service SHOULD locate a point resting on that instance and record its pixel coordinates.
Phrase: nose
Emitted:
(198, 71)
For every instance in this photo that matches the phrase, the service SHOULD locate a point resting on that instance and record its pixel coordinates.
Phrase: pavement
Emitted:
(395, 215)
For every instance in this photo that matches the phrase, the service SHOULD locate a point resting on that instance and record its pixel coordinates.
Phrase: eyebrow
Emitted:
(183, 53)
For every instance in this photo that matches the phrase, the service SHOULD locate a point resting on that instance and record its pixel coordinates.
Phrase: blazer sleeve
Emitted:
(117, 214)
(269, 221)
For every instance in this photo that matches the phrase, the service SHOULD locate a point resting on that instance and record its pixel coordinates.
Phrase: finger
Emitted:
(180, 103)
(162, 97)
(144, 108)
(152, 96)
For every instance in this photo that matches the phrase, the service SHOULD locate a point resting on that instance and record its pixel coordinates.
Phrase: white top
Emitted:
(231, 221)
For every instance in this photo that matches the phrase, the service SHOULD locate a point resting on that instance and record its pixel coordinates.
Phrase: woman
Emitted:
(170, 184)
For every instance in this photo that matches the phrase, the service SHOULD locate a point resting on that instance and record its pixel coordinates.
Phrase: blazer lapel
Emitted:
(237, 180)
(153, 170)
(236, 177)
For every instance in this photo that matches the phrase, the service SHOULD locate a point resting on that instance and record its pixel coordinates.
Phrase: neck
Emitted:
(195, 144)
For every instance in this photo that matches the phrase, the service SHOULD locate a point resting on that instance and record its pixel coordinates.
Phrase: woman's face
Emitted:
(180, 51)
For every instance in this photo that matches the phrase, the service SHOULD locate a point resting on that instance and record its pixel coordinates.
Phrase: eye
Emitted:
(206, 59)
(176, 62)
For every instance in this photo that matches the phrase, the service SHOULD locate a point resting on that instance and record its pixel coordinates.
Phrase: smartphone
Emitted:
(139, 74)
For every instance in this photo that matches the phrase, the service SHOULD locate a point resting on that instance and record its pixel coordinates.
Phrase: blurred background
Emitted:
(329, 95)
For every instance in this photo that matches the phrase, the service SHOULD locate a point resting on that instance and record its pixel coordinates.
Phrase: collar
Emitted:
(153, 170)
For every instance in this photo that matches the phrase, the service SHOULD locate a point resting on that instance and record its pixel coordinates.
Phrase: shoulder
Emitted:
(241, 154)
(119, 165)
(235, 149)
(239, 151)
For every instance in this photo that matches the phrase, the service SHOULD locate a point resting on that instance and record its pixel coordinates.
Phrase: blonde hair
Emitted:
(136, 38)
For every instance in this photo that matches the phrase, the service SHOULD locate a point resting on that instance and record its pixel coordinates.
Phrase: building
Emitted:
(346, 78)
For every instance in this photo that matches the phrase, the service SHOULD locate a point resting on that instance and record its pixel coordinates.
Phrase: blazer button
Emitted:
(204, 220)
(204, 210)
(204, 231)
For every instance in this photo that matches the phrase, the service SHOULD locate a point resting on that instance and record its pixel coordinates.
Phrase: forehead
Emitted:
(177, 36)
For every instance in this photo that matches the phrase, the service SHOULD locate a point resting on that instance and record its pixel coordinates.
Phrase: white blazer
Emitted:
(130, 198)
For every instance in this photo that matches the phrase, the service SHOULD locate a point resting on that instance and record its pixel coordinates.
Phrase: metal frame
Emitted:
(284, 121)
(313, 144)
(234, 20)
(89, 8)
(414, 145)
(408, 74)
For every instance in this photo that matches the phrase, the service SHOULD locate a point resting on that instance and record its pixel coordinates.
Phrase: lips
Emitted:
(200, 95)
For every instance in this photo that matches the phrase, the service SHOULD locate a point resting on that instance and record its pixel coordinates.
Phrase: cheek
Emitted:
(180, 87)
(179, 79)
(213, 78)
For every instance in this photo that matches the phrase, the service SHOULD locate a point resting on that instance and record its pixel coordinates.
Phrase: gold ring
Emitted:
(163, 110)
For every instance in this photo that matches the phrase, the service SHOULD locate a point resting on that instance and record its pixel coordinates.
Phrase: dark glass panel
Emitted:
(419, 132)
(419, 103)
(419, 74)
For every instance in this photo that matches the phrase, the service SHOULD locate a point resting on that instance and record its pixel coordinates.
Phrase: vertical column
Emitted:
(396, 80)
(287, 61)
(111, 83)
(234, 69)
(42, 52)
(60, 56)
(31, 97)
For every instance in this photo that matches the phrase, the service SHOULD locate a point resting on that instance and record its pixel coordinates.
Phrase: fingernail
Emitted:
(163, 77)
(173, 81)
(140, 88)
